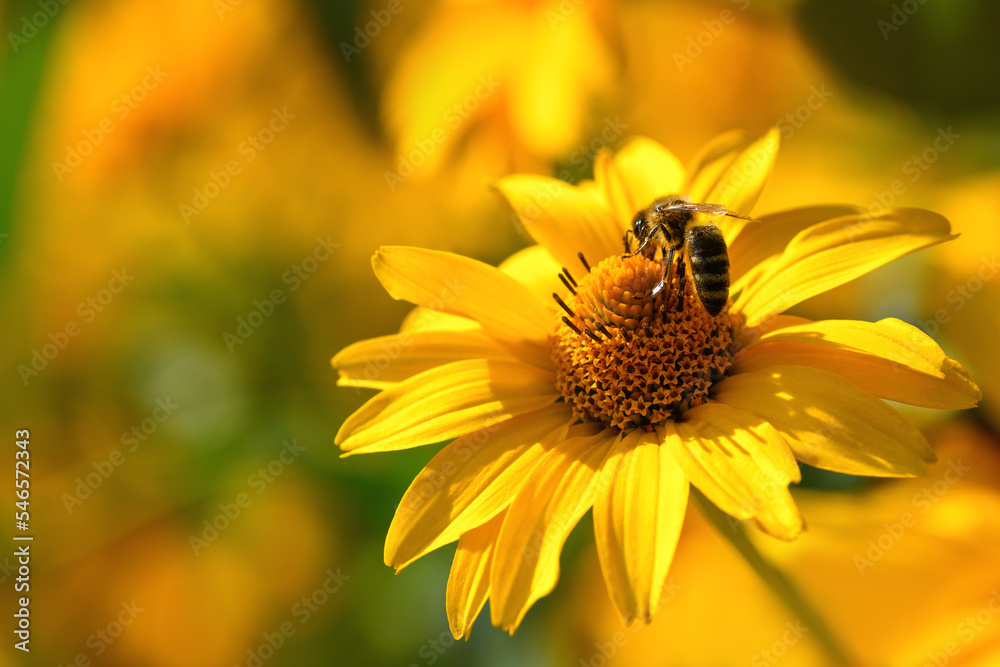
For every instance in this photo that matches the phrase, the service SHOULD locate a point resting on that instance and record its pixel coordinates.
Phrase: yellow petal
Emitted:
(768, 235)
(563, 219)
(673, 500)
(742, 182)
(382, 362)
(469, 581)
(469, 481)
(446, 402)
(563, 65)
(555, 495)
(535, 268)
(627, 522)
(771, 470)
(451, 283)
(420, 108)
(637, 174)
(710, 163)
(888, 358)
(753, 435)
(748, 336)
(735, 468)
(425, 319)
(835, 252)
(828, 422)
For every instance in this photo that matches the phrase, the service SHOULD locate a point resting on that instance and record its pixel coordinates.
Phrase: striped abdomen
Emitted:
(706, 251)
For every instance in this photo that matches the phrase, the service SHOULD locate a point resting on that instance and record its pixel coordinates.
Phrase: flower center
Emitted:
(626, 357)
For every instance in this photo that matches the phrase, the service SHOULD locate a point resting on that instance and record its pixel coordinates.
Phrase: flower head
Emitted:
(595, 388)
(514, 105)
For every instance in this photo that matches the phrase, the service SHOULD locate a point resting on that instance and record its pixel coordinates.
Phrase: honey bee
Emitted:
(669, 224)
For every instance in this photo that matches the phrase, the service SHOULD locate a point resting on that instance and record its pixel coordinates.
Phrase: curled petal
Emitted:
(446, 402)
(828, 422)
(638, 513)
(425, 319)
(469, 581)
(889, 358)
(834, 252)
(625, 522)
(741, 183)
(469, 481)
(744, 471)
(768, 235)
(555, 495)
(458, 285)
(535, 268)
(636, 175)
(565, 220)
(382, 362)
(711, 162)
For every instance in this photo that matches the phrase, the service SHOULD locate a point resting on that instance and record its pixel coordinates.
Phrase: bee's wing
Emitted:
(711, 209)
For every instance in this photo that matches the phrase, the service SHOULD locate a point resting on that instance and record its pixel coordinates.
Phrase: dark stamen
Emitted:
(570, 276)
(584, 261)
(571, 325)
(626, 334)
(563, 304)
(604, 330)
(592, 335)
(566, 283)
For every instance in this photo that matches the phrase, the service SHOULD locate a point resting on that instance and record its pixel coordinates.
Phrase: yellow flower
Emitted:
(632, 396)
(905, 573)
(460, 77)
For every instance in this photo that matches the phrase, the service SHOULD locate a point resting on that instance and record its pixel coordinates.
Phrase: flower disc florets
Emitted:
(632, 358)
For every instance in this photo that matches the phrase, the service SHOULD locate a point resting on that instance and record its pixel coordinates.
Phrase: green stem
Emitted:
(775, 579)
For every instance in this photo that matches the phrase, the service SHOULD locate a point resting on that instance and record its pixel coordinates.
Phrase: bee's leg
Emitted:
(642, 246)
(649, 237)
(681, 283)
(666, 272)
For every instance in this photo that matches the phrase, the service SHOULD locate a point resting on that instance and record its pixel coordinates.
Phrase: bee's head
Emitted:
(640, 225)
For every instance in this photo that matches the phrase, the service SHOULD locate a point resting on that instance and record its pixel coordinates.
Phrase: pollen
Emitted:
(628, 358)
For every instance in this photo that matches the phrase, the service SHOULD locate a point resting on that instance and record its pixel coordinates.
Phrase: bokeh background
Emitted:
(190, 194)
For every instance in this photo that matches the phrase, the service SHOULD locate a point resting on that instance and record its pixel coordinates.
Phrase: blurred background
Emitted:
(190, 195)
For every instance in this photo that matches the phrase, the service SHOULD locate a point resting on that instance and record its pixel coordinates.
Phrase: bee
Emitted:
(669, 224)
